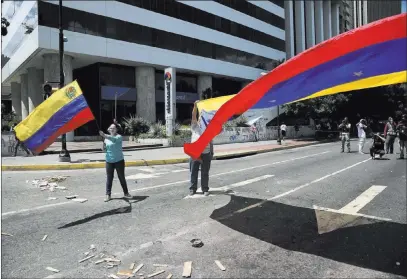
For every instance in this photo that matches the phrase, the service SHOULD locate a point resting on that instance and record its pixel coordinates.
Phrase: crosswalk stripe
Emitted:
(243, 183)
(362, 200)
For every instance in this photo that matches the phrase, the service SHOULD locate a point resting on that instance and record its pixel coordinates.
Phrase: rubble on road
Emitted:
(52, 269)
(87, 258)
(45, 237)
(6, 234)
(52, 198)
(92, 247)
(219, 264)
(71, 197)
(138, 268)
(187, 269)
(49, 183)
(80, 200)
(155, 273)
(169, 276)
(114, 276)
(125, 273)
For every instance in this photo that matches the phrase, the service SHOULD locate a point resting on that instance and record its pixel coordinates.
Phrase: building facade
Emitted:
(124, 46)
(365, 11)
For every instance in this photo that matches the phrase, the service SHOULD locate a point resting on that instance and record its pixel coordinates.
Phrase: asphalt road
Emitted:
(306, 212)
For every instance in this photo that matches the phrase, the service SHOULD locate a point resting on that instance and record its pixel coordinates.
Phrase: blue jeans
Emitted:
(110, 167)
(194, 170)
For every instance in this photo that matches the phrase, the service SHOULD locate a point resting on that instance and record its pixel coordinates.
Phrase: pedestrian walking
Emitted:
(362, 127)
(19, 144)
(204, 161)
(297, 129)
(114, 161)
(283, 129)
(344, 129)
(402, 133)
(390, 134)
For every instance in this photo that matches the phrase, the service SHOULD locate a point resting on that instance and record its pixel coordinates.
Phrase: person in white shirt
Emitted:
(204, 161)
(283, 129)
(361, 134)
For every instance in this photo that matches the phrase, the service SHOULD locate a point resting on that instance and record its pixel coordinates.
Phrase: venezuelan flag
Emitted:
(64, 111)
(370, 56)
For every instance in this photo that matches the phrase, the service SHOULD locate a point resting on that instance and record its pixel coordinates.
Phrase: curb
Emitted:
(101, 164)
(125, 148)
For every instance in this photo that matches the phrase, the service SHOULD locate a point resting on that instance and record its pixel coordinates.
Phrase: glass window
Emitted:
(186, 84)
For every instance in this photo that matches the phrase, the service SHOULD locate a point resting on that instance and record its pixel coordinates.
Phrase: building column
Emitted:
(289, 28)
(354, 9)
(51, 74)
(34, 89)
(365, 19)
(16, 99)
(24, 96)
(310, 23)
(319, 22)
(145, 90)
(299, 26)
(335, 19)
(327, 19)
(204, 82)
(359, 11)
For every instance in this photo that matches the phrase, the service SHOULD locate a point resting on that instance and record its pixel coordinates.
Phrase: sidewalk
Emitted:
(160, 156)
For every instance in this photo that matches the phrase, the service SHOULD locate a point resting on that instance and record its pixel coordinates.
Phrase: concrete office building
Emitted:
(365, 11)
(124, 46)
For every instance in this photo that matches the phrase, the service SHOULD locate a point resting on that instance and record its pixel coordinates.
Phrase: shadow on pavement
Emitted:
(120, 210)
(373, 244)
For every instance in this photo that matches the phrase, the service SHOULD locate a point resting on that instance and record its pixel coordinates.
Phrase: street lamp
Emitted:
(278, 117)
(64, 154)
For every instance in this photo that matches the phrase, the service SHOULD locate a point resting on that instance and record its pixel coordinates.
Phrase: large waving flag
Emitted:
(369, 56)
(64, 111)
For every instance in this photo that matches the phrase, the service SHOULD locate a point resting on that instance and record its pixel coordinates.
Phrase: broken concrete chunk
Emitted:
(43, 184)
(80, 200)
(53, 185)
(86, 253)
(45, 237)
(112, 260)
(114, 276)
(101, 255)
(71, 197)
(187, 269)
(169, 276)
(138, 268)
(160, 265)
(125, 273)
(99, 261)
(60, 187)
(92, 247)
(87, 258)
(155, 273)
(6, 234)
(52, 269)
(221, 267)
(132, 266)
(52, 198)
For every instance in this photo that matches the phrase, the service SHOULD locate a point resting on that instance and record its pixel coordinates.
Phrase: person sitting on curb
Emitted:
(204, 161)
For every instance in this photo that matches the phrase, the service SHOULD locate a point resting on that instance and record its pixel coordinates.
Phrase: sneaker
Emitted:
(192, 192)
(127, 196)
(206, 194)
(108, 198)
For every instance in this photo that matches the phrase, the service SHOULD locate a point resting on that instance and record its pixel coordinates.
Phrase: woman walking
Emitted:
(114, 161)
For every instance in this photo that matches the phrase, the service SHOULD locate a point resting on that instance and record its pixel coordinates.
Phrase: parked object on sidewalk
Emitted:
(114, 161)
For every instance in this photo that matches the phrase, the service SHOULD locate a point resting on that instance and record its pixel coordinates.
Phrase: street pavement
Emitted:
(309, 212)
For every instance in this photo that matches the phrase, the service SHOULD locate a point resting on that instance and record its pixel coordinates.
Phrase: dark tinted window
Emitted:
(254, 11)
(134, 33)
(187, 13)
(115, 75)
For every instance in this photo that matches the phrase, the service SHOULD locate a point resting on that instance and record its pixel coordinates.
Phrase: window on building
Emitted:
(186, 83)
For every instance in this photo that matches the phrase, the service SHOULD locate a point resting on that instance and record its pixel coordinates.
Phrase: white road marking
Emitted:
(293, 190)
(363, 199)
(354, 214)
(140, 176)
(167, 184)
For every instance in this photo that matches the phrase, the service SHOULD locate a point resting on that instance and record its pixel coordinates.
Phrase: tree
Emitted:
(206, 94)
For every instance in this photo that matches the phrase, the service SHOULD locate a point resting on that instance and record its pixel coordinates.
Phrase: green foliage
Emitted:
(158, 130)
(135, 125)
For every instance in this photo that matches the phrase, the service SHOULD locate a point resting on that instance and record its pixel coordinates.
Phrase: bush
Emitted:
(177, 128)
(135, 125)
(158, 130)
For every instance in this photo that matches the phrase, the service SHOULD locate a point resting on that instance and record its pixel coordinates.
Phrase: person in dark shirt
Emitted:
(402, 133)
(344, 129)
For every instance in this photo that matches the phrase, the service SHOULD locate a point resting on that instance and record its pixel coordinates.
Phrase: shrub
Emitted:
(158, 130)
(177, 128)
(135, 125)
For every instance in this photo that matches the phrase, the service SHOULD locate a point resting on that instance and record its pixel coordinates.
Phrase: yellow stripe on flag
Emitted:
(213, 103)
(40, 116)
(376, 81)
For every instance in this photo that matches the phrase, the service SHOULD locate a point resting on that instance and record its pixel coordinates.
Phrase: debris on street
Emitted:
(87, 258)
(125, 273)
(99, 261)
(138, 268)
(187, 269)
(7, 234)
(221, 267)
(49, 183)
(86, 253)
(112, 260)
(45, 237)
(52, 269)
(160, 265)
(71, 197)
(169, 276)
(132, 266)
(155, 273)
(114, 276)
(92, 247)
(197, 243)
(80, 200)
(101, 255)
(52, 198)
